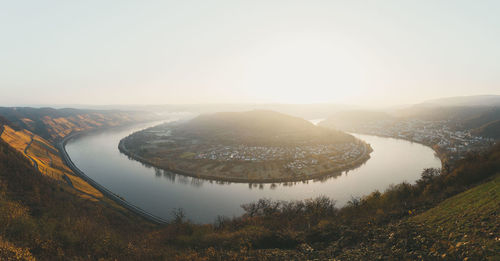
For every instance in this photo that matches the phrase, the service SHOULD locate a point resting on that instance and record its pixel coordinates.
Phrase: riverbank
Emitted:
(321, 175)
(61, 146)
(443, 158)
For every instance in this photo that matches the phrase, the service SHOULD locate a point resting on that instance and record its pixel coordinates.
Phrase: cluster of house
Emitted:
(300, 164)
(299, 155)
(456, 143)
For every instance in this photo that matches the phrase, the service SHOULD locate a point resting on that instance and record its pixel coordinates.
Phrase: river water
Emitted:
(392, 161)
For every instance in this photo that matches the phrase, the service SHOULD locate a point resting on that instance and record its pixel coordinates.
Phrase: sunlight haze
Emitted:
(173, 52)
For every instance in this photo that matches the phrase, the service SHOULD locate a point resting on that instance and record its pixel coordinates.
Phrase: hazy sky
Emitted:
(157, 52)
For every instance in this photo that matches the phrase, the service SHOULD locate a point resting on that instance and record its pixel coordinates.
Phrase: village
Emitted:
(264, 153)
(296, 158)
(453, 144)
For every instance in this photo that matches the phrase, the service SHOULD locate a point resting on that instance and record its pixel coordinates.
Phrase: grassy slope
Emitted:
(463, 227)
(41, 217)
(468, 220)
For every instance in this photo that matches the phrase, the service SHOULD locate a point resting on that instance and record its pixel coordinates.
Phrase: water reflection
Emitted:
(197, 182)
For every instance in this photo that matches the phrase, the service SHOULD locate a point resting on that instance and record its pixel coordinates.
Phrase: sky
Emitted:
(185, 52)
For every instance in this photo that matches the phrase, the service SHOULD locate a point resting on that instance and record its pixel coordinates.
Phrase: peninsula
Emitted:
(254, 146)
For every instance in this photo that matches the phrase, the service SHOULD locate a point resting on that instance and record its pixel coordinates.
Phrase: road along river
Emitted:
(159, 192)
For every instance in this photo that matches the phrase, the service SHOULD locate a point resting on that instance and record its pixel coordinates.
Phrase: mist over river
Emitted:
(158, 192)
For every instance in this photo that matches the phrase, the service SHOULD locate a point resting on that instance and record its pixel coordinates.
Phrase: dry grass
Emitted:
(9, 251)
(470, 218)
(48, 159)
(16, 139)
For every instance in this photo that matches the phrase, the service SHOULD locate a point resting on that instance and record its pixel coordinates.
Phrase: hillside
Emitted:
(46, 159)
(468, 222)
(258, 127)
(490, 130)
(468, 112)
(40, 217)
(486, 124)
(53, 124)
(306, 111)
(34, 133)
(479, 121)
(483, 118)
(348, 120)
(469, 101)
(437, 113)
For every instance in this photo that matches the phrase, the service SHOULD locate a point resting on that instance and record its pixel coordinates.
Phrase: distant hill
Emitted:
(490, 130)
(258, 126)
(483, 118)
(433, 113)
(471, 101)
(53, 124)
(346, 120)
(452, 108)
(486, 124)
(482, 121)
(305, 111)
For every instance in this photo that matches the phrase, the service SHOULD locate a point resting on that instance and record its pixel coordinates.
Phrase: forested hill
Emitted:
(491, 130)
(482, 121)
(258, 127)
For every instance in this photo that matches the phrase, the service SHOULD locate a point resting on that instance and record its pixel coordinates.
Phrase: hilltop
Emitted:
(258, 127)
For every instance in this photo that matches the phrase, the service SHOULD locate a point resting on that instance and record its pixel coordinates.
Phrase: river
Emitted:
(158, 192)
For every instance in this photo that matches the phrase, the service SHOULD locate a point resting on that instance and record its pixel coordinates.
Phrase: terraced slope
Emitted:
(54, 124)
(47, 160)
(34, 132)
